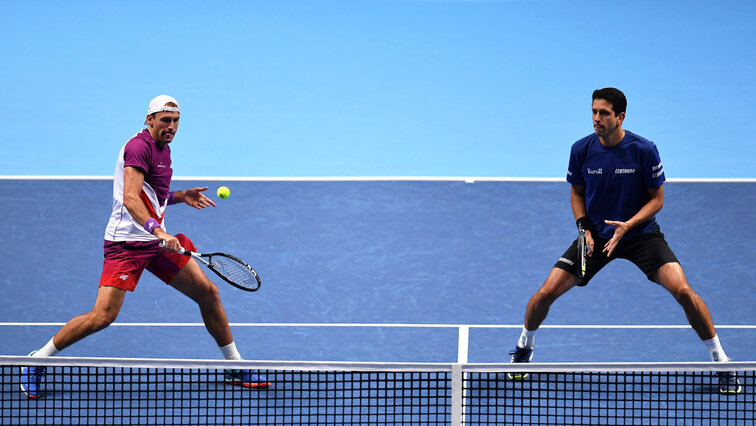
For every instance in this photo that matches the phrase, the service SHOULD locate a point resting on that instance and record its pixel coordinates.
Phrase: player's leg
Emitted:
(563, 277)
(654, 256)
(105, 310)
(121, 270)
(671, 277)
(185, 275)
(123, 265)
(192, 281)
(557, 283)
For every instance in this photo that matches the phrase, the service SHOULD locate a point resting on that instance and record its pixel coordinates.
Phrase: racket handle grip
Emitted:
(162, 246)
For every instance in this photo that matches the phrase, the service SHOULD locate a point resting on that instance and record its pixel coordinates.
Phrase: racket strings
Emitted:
(235, 271)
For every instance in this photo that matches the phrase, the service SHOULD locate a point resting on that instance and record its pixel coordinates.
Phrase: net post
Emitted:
(457, 413)
(462, 344)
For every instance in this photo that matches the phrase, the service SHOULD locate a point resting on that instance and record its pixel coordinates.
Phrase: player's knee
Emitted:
(685, 295)
(209, 293)
(544, 297)
(101, 320)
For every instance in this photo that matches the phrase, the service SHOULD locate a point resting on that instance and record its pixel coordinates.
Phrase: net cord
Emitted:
(372, 366)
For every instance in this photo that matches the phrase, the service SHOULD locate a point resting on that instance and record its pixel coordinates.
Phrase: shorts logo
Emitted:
(124, 277)
(565, 260)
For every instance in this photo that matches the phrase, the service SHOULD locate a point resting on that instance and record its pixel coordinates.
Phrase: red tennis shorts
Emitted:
(126, 260)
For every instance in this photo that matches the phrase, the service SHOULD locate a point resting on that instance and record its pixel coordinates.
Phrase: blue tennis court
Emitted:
(415, 271)
(382, 259)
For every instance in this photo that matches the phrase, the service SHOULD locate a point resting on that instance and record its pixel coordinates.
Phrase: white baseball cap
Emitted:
(158, 105)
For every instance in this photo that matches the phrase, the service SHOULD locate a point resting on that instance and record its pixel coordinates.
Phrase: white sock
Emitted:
(715, 349)
(527, 338)
(48, 350)
(230, 352)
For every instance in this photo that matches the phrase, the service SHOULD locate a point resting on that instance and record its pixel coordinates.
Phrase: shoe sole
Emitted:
(25, 391)
(259, 385)
(731, 392)
(515, 376)
(30, 396)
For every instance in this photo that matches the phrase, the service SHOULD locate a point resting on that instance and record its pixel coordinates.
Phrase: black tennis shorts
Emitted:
(648, 252)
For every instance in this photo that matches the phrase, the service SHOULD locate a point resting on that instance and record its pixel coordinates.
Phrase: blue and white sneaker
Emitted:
(520, 355)
(31, 380)
(246, 378)
(728, 383)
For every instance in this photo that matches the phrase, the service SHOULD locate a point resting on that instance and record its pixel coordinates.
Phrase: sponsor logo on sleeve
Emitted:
(657, 170)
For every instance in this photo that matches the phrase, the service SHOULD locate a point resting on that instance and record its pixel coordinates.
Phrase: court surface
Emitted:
(380, 271)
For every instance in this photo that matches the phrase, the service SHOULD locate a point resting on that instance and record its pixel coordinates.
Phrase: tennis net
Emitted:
(188, 392)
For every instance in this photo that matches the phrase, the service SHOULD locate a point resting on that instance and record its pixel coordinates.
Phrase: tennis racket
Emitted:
(582, 252)
(232, 269)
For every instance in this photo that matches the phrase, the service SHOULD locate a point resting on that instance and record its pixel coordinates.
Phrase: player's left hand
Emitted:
(620, 229)
(195, 198)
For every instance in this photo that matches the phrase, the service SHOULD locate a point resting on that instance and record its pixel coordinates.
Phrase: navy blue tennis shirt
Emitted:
(616, 180)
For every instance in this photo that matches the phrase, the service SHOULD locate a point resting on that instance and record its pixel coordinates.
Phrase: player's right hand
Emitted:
(169, 242)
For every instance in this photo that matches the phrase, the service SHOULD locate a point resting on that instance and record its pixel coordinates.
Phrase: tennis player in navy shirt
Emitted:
(617, 182)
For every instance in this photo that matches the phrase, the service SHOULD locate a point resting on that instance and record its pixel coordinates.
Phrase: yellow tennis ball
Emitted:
(223, 192)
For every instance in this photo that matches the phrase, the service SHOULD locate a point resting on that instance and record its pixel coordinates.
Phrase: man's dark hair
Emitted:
(614, 97)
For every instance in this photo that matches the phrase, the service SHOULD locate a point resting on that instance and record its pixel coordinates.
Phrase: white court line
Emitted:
(468, 179)
(377, 325)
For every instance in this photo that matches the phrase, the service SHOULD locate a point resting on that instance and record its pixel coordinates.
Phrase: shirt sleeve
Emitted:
(653, 170)
(137, 154)
(575, 167)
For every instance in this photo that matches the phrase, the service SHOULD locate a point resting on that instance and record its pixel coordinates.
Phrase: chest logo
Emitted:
(595, 171)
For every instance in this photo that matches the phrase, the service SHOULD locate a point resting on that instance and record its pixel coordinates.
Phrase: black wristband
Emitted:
(584, 223)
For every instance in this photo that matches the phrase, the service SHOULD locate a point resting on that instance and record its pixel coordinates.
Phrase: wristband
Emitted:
(150, 225)
(584, 223)
(170, 197)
